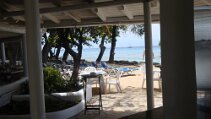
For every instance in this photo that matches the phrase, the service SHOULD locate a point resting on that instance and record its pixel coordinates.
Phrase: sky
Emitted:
(129, 39)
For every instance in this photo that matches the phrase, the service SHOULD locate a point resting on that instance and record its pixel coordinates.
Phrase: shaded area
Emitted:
(156, 113)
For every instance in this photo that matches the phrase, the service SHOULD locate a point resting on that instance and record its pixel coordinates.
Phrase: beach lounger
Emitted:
(127, 70)
(105, 65)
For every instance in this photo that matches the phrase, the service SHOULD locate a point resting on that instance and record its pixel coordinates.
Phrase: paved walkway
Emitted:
(130, 101)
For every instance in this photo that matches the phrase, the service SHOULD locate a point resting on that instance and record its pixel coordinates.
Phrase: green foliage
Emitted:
(77, 37)
(138, 29)
(53, 81)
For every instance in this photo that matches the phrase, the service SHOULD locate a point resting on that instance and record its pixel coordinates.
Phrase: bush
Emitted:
(53, 81)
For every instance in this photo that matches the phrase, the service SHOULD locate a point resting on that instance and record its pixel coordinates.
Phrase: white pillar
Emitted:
(35, 70)
(25, 64)
(148, 55)
(3, 52)
(178, 59)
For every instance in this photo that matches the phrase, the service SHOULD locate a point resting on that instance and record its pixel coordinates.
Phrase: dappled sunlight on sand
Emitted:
(130, 101)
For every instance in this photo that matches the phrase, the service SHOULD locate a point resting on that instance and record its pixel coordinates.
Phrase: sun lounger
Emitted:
(127, 70)
(105, 66)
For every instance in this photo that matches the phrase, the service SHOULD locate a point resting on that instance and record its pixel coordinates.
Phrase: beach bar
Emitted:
(28, 18)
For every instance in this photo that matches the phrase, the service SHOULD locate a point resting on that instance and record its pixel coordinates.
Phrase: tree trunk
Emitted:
(113, 44)
(46, 49)
(65, 55)
(58, 52)
(77, 59)
(102, 49)
(51, 54)
(76, 67)
(63, 34)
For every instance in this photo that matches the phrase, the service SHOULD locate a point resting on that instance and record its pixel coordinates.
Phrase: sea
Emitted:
(121, 53)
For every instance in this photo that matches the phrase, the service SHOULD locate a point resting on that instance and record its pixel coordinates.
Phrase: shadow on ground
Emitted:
(117, 105)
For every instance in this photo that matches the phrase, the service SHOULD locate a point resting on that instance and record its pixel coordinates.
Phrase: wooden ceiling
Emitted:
(71, 13)
(65, 13)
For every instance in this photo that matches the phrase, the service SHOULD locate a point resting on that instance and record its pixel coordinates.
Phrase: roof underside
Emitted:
(65, 13)
(71, 13)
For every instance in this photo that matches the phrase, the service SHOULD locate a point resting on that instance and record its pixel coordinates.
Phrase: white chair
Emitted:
(156, 77)
(90, 69)
(113, 79)
(68, 67)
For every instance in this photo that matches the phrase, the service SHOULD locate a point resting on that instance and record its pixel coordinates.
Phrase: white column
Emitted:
(3, 52)
(35, 70)
(178, 59)
(148, 55)
(25, 64)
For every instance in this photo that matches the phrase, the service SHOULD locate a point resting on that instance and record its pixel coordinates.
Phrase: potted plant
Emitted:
(57, 88)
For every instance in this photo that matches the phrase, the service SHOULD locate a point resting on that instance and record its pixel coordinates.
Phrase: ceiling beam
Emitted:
(52, 18)
(21, 2)
(96, 21)
(207, 2)
(125, 11)
(202, 8)
(76, 18)
(58, 2)
(154, 3)
(100, 14)
(11, 28)
(10, 8)
(75, 7)
(84, 22)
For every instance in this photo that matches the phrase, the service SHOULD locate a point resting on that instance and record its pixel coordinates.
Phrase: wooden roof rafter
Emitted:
(9, 8)
(74, 17)
(100, 14)
(125, 11)
(75, 7)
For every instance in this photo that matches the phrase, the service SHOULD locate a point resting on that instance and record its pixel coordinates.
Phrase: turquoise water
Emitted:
(121, 53)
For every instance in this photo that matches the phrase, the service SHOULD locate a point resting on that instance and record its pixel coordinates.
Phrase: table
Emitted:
(98, 72)
(85, 77)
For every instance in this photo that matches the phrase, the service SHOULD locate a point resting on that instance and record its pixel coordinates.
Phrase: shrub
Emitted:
(53, 81)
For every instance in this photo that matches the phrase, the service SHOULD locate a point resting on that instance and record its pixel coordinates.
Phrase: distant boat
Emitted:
(129, 47)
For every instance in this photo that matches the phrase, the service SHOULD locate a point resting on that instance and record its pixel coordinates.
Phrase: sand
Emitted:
(130, 101)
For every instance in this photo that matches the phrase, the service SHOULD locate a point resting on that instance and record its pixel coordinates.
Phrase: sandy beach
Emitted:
(130, 101)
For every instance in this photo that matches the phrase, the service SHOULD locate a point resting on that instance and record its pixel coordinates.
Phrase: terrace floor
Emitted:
(130, 101)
